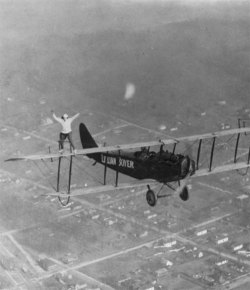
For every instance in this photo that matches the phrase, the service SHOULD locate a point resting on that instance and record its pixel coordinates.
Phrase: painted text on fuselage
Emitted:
(109, 160)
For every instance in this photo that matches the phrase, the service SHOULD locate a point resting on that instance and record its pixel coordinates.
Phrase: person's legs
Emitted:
(71, 141)
(62, 137)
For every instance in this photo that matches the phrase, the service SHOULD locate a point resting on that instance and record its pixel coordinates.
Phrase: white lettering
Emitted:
(103, 158)
(121, 162)
(126, 163)
(111, 160)
(108, 160)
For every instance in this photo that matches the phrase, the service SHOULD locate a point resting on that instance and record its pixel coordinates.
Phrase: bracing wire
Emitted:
(43, 173)
(77, 164)
(205, 156)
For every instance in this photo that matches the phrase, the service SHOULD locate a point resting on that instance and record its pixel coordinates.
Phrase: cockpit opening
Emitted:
(163, 156)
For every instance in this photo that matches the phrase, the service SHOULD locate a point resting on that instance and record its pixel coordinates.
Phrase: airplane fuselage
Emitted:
(147, 167)
(162, 166)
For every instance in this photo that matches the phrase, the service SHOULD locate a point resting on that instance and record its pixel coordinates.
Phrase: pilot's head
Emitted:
(65, 117)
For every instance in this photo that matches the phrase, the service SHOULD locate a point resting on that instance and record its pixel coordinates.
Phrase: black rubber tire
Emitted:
(184, 195)
(151, 197)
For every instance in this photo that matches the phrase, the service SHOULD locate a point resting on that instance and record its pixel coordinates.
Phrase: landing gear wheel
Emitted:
(184, 195)
(151, 197)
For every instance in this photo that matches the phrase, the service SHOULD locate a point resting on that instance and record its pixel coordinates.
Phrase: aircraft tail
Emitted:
(88, 141)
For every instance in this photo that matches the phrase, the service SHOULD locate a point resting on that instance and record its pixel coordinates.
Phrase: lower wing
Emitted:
(98, 189)
(221, 169)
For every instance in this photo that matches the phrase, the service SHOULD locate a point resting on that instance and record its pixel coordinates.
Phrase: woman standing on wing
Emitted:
(66, 131)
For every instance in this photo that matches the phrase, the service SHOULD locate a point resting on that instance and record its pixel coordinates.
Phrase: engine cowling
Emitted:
(187, 166)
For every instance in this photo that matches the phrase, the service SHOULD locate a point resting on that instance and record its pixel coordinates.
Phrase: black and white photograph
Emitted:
(124, 144)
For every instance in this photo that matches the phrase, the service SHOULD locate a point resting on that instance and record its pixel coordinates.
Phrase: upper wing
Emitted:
(134, 145)
(212, 135)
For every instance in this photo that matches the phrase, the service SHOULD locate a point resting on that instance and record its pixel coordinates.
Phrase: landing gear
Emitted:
(151, 197)
(184, 195)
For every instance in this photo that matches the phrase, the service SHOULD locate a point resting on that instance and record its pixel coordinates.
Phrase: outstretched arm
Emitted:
(75, 116)
(55, 117)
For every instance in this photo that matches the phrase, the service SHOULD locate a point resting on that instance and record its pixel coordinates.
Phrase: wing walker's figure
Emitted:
(66, 131)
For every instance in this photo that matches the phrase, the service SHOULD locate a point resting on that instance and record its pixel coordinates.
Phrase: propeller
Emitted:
(182, 190)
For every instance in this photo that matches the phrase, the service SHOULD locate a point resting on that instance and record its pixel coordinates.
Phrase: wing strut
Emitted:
(248, 158)
(198, 154)
(174, 147)
(236, 147)
(105, 170)
(161, 149)
(212, 154)
(64, 203)
(117, 168)
(70, 173)
(58, 174)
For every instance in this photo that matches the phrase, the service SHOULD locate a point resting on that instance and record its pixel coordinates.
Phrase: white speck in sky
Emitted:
(130, 91)
(162, 127)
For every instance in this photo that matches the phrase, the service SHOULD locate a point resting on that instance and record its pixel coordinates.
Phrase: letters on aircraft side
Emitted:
(109, 160)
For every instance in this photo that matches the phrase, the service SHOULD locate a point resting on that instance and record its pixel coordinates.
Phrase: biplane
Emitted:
(137, 160)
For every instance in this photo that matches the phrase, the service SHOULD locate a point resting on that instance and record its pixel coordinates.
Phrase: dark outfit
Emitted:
(63, 137)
